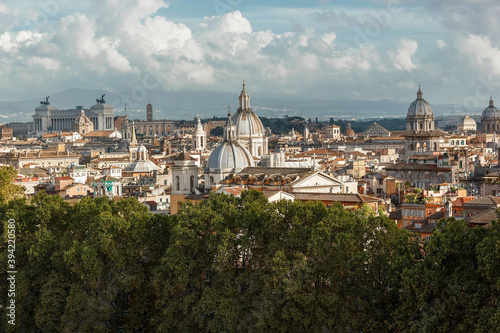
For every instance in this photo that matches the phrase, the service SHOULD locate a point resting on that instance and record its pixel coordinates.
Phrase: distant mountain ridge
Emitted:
(207, 104)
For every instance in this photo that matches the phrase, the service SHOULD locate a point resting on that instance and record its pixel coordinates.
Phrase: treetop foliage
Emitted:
(244, 265)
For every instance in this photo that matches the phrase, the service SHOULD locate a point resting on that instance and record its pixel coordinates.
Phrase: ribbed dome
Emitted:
(420, 107)
(490, 113)
(229, 156)
(247, 124)
(467, 121)
(141, 166)
(82, 119)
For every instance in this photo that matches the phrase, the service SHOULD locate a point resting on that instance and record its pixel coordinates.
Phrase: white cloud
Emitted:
(12, 42)
(483, 52)
(3, 9)
(402, 57)
(441, 44)
(329, 37)
(113, 43)
(47, 63)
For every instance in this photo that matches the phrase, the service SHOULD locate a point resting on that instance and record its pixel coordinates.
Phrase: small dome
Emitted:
(141, 166)
(467, 121)
(230, 156)
(420, 107)
(490, 113)
(349, 131)
(82, 119)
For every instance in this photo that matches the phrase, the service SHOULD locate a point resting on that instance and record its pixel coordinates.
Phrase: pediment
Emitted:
(317, 179)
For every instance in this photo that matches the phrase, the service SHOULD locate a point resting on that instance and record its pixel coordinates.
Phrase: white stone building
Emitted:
(49, 118)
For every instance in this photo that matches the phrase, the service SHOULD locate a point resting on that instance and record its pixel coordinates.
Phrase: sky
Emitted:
(319, 49)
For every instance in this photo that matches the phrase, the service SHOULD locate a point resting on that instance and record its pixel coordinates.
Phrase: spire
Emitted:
(244, 99)
(229, 129)
(199, 126)
(82, 116)
(134, 138)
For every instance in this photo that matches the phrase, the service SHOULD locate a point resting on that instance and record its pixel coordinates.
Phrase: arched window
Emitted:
(191, 184)
(452, 142)
(435, 146)
(178, 186)
(463, 142)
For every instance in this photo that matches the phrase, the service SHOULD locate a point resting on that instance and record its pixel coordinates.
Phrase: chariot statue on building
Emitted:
(46, 102)
(101, 100)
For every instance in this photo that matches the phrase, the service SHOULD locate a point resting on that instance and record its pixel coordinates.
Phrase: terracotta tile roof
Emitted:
(423, 229)
(488, 200)
(483, 218)
(96, 134)
(184, 157)
(236, 191)
(396, 214)
(335, 197)
(459, 202)
(415, 166)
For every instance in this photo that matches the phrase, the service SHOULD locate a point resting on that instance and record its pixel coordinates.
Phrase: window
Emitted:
(178, 186)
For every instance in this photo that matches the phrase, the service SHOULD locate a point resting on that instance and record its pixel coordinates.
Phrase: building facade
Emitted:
(48, 118)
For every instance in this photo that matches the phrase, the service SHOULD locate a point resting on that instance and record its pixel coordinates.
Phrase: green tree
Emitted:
(218, 131)
(447, 291)
(9, 191)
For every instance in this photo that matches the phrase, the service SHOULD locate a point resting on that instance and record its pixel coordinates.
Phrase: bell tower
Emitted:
(149, 112)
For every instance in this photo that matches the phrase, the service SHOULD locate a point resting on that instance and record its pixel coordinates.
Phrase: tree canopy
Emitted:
(244, 265)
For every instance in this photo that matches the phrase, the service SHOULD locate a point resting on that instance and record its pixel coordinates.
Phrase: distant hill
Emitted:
(187, 104)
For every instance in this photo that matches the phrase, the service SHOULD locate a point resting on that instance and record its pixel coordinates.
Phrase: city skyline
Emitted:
(325, 49)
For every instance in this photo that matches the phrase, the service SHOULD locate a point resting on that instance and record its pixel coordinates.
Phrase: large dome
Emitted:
(230, 156)
(420, 107)
(247, 122)
(490, 113)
